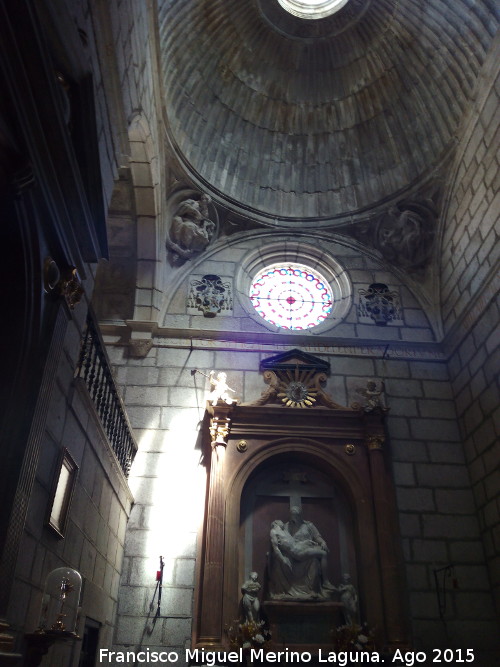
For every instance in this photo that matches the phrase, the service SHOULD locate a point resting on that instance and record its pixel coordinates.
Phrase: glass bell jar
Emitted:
(61, 599)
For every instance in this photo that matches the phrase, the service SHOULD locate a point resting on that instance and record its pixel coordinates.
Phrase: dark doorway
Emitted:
(90, 641)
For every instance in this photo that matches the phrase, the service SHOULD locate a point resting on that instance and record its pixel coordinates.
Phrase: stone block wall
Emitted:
(469, 295)
(474, 368)
(439, 527)
(470, 244)
(438, 521)
(93, 540)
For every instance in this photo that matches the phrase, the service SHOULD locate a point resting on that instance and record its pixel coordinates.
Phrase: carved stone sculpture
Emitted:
(406, 233)
(250, 605)
(349, 599)
(403, 234)
(220, 388)
(298, 560)
(191, 229)
(71, 287)
(379, 303)
(373, 396)
(210, 295)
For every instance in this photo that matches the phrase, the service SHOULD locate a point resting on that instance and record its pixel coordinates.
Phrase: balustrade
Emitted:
(94, 369)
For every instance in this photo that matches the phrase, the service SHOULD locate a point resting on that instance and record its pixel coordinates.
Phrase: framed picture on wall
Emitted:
(62, 492)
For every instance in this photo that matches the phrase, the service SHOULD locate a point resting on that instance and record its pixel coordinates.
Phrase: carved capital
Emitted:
(62, 282)
(219, 431)
(375, 442)
(71, 287)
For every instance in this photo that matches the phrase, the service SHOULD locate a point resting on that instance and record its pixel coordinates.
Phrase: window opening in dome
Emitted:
(291, 296)
(312, 9)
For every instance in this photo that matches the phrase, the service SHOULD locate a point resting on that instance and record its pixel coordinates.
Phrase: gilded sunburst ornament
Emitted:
(297, 392)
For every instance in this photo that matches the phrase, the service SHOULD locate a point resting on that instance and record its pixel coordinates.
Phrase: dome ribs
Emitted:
(310, 128)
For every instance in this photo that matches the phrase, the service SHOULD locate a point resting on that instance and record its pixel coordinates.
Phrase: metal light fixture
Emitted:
(61, 599)
(58, 616)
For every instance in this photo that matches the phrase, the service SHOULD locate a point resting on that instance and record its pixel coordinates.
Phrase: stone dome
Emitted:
(311, 121)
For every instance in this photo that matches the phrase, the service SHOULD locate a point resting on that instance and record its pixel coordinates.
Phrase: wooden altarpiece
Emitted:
(296, 445)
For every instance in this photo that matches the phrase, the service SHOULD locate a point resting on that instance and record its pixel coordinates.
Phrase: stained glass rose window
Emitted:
(291, 296)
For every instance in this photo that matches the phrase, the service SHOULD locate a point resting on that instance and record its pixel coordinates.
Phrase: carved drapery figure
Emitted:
(406, 233)
(298, 560)
(191, 229)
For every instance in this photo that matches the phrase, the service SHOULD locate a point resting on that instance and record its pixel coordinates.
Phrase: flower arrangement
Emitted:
(354, 638)
(247, 635)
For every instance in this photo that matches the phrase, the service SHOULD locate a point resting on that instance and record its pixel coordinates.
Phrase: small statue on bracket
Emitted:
(373, 396)
(220, 388)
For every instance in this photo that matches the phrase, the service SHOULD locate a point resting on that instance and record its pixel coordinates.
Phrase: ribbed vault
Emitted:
(313, 123)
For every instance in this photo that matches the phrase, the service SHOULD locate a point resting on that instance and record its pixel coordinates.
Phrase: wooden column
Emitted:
(213, 560)
(387, 536)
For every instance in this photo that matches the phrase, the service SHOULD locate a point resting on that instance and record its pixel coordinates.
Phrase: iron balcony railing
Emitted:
(93, 368)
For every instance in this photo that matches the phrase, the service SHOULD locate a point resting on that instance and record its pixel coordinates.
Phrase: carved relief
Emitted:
(403, 234)
(219, 431)
(192, 225)
(406, 233)
(209, 295)
(373, 396)
(379, 304)
(295, 380)
(62, 282)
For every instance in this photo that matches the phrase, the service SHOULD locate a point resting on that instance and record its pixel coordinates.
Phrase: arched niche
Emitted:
(336, 495)
(285, 481)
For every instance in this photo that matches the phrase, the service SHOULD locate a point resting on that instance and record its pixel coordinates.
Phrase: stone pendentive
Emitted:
(403, 234)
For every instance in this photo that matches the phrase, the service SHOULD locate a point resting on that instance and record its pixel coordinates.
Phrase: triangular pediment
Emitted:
(295, 379)
(292, 359)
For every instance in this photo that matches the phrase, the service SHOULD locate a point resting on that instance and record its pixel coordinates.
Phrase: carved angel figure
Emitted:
(220, 388)
(372, 395)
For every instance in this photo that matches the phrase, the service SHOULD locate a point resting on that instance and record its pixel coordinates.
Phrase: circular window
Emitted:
(312, 9)
(291, 296)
